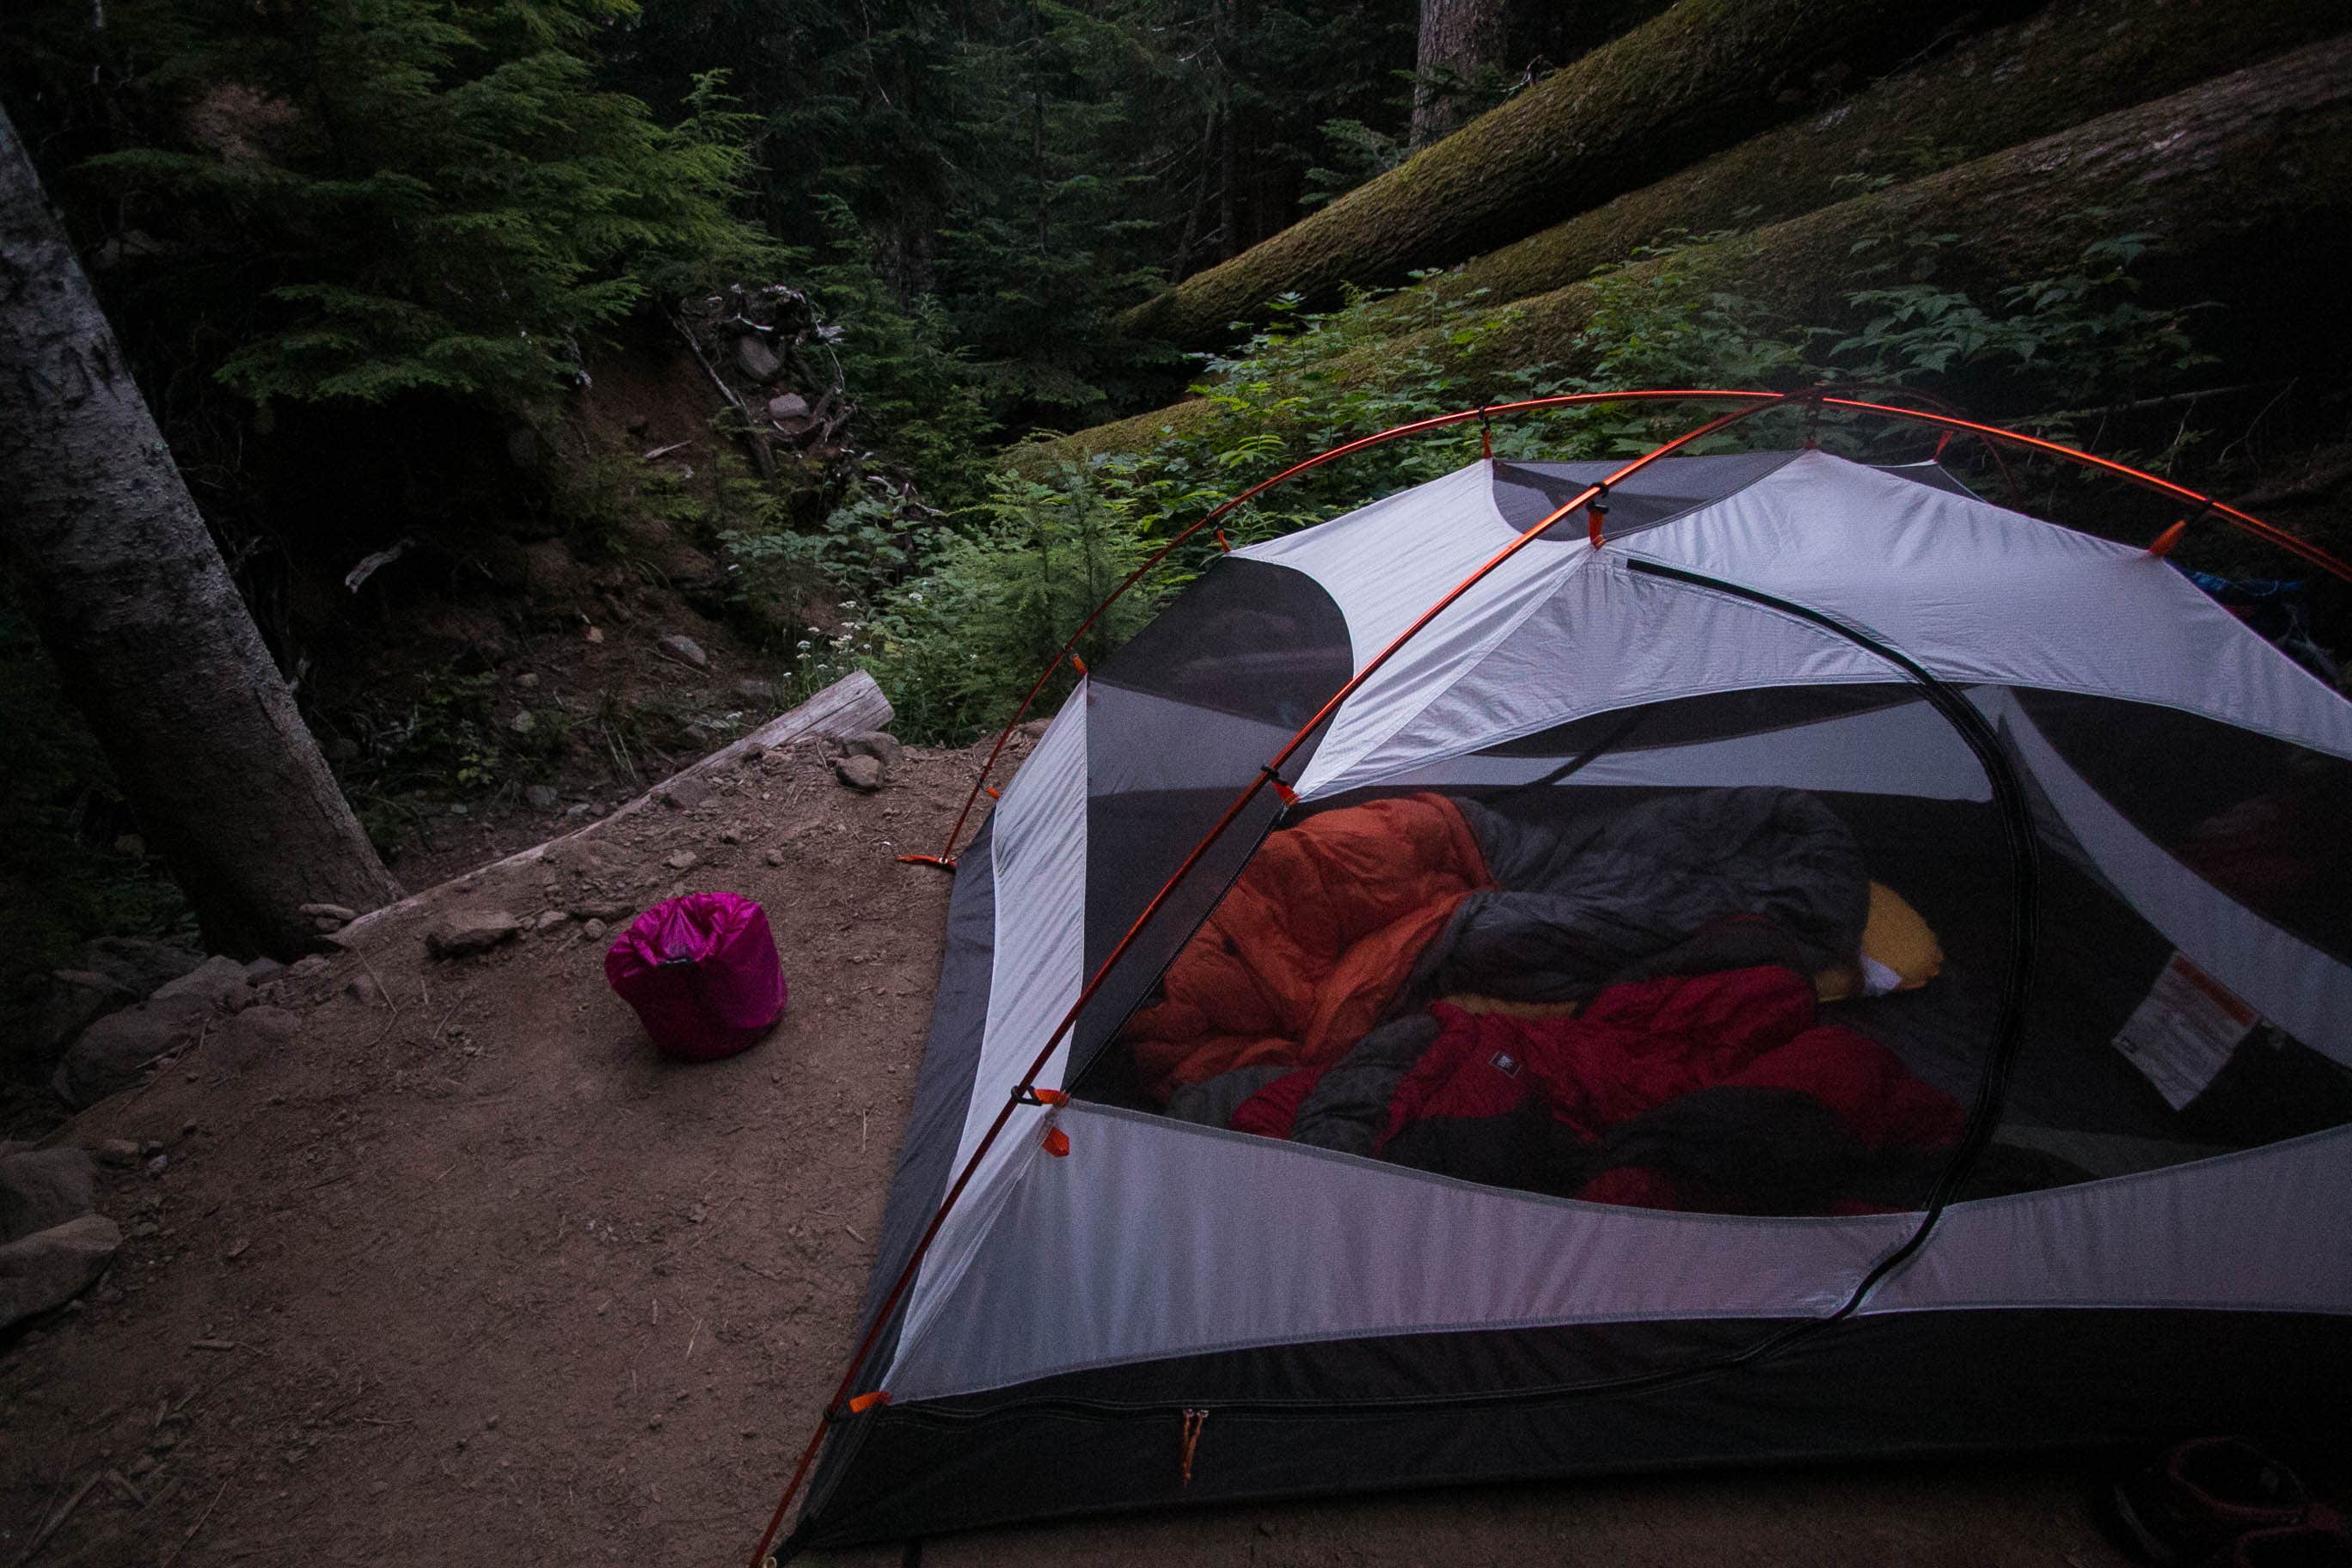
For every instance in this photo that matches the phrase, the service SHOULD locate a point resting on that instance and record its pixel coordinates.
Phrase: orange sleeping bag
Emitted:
(1314, 938)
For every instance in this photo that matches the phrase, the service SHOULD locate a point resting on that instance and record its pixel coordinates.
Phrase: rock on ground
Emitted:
(50, 1268)
(221, 982)
(859, 772)
(43, 1187)
(686, 648)
(113, 1052)
(878, 744)
(469, 932)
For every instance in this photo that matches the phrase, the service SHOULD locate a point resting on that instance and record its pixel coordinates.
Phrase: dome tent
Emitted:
(2108, 798)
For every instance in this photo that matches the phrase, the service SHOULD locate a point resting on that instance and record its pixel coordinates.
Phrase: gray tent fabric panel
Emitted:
(942, 1096)
(1526, 493)
(1155, 1238)
(1903, 749)
(2207, 1234)
(2292, 983)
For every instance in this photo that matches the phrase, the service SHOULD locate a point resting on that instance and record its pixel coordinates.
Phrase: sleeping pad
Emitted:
(1371, 911)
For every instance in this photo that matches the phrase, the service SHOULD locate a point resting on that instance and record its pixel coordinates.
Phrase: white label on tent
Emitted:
(2182, 1033)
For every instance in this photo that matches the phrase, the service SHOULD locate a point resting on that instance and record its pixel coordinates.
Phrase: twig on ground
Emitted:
(57, 1519)
(174, 1555)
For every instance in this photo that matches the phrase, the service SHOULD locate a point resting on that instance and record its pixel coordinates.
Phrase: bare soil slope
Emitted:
(468, 1277)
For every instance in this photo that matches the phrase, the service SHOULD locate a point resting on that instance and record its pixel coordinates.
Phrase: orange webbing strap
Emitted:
(1486, 434)
(944, 862)
(2167, 539)
(1282, 792)
(1224, 543)
(1596, 515)
(1079, 665)
(1193, 1421)
(866, 1402)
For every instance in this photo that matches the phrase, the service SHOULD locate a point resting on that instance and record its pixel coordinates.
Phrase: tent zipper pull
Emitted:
(1193, 1421)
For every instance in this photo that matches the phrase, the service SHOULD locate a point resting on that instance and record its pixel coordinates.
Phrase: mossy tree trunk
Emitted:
(150, 637)
(1697, 77)
(2237, 177)
(2066, 65)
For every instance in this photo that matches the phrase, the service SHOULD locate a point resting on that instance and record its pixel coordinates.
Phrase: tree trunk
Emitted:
(2059, 69)
(2245, 180)
(1699, 78)
(1459, 39)
(137, 608)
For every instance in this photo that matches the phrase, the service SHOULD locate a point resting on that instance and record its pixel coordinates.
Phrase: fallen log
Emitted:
(1697, 79)
(849, 706)
(2265, 152)
(2057, 69)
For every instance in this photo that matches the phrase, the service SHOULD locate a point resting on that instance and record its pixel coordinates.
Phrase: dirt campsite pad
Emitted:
(432, 1262)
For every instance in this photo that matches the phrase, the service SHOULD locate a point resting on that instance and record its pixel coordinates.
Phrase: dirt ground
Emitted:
(469, 1276)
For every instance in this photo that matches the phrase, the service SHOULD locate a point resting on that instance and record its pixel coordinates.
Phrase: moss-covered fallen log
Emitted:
(2235, 177)
(2068, 64)
(1697, 79)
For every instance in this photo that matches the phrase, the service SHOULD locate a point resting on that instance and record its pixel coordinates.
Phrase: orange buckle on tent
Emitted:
(1056, 1142)
(944, 862)
(863, 1402)
(1029, 1094)
(1287, 796)
(2167, 539)
(1078, 664)
(994, 793)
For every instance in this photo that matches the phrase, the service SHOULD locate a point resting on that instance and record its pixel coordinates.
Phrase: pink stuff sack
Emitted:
(701, 971)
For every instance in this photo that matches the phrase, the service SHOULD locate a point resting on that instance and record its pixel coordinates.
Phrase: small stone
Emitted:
(730, 835)
(50, 1268)
(337, 913)
(595, 634)
(682, 861)
(527, 681)
(130, 844)
(235, 1249)
(879, 744)
(755, 359)
(523, 723)
(590, 929)
(468, 932)
(542, 797)
(599, 910)
(189, 1128)
(457, 808)
(861, 774)
(491, 1422)
(686, 648)
(685, 792)
(549, 920)
(364, 990)
(120, 1152)
(653, 1423)
(788, 405)
(155, 1166)
(263, 969)
(773, 858)
(762, 692)
(308, 968)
